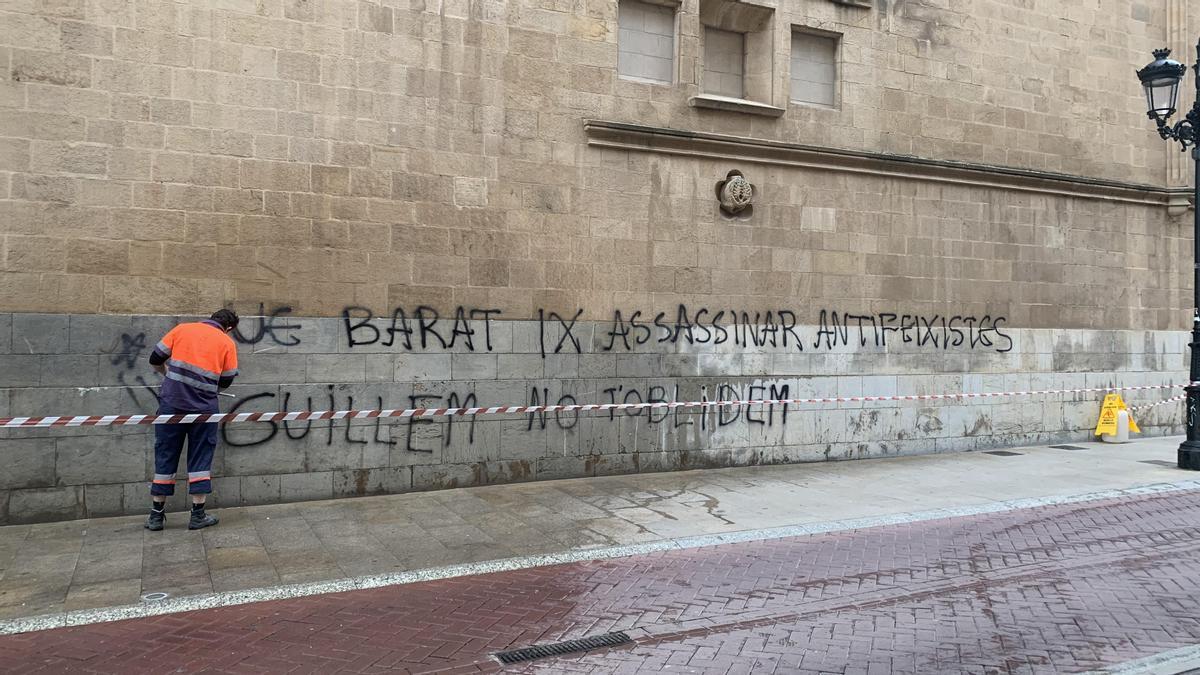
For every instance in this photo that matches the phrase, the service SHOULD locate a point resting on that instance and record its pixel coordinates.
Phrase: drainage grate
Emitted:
(560, 648)
(1068, 447)
(1003, 453)
(1160, 462)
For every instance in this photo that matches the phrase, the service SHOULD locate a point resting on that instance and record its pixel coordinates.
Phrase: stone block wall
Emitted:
(317, 162)
(163, 157)
(403, 358)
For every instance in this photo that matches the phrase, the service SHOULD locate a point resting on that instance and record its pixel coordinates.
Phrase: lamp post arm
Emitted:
(1185, 131)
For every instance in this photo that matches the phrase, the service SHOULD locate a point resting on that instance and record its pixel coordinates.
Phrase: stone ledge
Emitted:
(714, 102)
(620, 135)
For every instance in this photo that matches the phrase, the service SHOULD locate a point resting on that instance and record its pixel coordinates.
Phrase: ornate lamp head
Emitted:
(1161, 80)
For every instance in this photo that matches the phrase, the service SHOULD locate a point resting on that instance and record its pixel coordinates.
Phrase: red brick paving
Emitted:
(1053, 589)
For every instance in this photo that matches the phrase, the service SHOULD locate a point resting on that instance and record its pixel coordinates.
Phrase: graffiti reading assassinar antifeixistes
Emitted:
(422, 329)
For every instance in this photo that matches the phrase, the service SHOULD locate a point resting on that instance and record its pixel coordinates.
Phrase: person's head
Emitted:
(226, 317)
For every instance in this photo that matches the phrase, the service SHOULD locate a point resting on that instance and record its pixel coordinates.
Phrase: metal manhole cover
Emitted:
(560, 648)
(1068, 447)
(1003, 453)
(154, 597)
(1159, 462)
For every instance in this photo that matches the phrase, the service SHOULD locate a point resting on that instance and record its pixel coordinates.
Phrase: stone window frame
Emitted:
(676, 7)
(757, 23)
(839, 43)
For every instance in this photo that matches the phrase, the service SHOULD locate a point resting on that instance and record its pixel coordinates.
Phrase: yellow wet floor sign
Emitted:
(1108, 416)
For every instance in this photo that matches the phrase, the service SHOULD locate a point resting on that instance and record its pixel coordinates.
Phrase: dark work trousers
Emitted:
(168, 444)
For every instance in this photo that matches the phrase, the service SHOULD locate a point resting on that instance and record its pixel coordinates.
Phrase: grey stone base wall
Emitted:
(96, 364)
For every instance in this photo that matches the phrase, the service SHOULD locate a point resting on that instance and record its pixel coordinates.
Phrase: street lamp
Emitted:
(1161, 80)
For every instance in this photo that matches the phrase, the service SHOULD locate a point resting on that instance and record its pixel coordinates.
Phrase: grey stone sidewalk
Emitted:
(56, 567)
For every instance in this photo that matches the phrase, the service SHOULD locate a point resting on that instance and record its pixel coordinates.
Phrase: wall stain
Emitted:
(929, 423)
(982, 425)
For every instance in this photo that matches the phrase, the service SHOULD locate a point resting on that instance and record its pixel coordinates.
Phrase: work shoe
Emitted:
(201, 520)
(155, 522)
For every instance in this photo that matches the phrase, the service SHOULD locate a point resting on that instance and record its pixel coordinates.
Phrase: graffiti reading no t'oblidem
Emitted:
(423, 329)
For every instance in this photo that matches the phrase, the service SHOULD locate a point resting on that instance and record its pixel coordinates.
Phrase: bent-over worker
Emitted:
(196, 360)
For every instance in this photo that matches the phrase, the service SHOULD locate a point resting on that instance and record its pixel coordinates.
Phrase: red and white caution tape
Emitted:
(1173, 399)
(300, 415)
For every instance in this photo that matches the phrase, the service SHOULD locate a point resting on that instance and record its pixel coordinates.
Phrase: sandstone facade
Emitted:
(163, 157)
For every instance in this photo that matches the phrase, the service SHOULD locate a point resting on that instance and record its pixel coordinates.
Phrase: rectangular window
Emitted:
(814, 68)
(738, 48)
(646, 42)
(724, 62)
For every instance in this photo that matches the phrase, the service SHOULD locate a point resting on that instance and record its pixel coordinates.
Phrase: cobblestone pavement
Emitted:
(1051, 589)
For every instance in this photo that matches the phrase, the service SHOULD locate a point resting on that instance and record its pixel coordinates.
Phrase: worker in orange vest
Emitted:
(196, 361)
